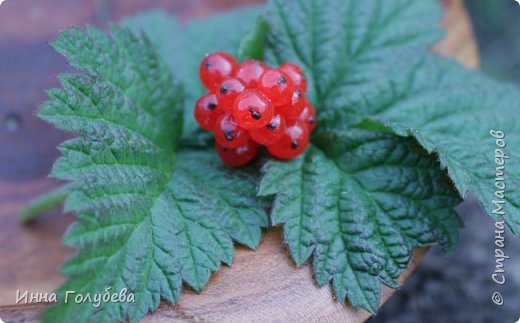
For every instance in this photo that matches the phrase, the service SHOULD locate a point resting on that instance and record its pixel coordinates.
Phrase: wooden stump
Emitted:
(261, 286)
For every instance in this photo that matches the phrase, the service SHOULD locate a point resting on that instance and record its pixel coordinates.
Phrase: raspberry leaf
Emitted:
(358, 201)
(368, 67)
(340, 38)
(451, 112)
(359, 207)
(150, 216)
(120, 61)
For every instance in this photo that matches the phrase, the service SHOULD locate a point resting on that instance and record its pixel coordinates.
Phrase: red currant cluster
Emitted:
(250, 104)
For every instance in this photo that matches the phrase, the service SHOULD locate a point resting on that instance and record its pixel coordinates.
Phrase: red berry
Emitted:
(294, 141)
(228, 92)
(250, 71)
(239, 156)
(207, 111)
(277, 86)
(270, 133)
(228, 133)
(296, 75)
(251, 104)
(308, 116)
(215, 68)
(294, 108)
(253, 109)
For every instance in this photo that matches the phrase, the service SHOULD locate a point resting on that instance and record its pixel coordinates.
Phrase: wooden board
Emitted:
(261, 286)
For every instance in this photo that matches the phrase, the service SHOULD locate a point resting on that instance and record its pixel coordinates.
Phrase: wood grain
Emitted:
(261, 286)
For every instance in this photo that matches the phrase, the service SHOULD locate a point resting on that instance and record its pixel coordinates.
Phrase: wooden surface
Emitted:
(260, 286)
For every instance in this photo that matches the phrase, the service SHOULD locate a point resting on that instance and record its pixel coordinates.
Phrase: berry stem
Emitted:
(43, 203)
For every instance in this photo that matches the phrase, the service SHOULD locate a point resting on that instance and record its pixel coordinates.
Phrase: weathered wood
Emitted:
(459, 41)
(262, 285)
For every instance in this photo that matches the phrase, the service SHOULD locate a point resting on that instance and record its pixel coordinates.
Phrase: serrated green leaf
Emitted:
(335, 40)
(368, 66)
(359, 207)
(150, 216)
(184, 47)
(151, 234)
(451, 112)
(119, 60)
(358, 201)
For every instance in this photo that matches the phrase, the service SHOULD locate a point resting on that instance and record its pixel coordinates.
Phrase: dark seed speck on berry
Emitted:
(255, 114)
(272, 125)
(229, 135)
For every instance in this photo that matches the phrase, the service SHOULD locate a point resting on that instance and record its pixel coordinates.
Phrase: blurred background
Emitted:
(455, 288)
(497, 28)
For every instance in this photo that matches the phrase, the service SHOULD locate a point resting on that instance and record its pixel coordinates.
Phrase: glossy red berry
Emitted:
(227, 132)
(270, 133)
(239, 156)
(253, 109)
(228, 91)
(308, 116)
(277, 86)
(294, 108)
(250, 104)
(296, 74)
(207, 111)
(250, 72)
(215, 68)
(294, 141)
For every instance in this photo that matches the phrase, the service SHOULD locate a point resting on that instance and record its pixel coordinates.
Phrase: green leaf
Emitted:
(451, 112)
(150, 216)
(358, 201)
(184, 47)
(359, 206)
(335, 40)
(368, 68)
(252, 45)
(121, 62)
